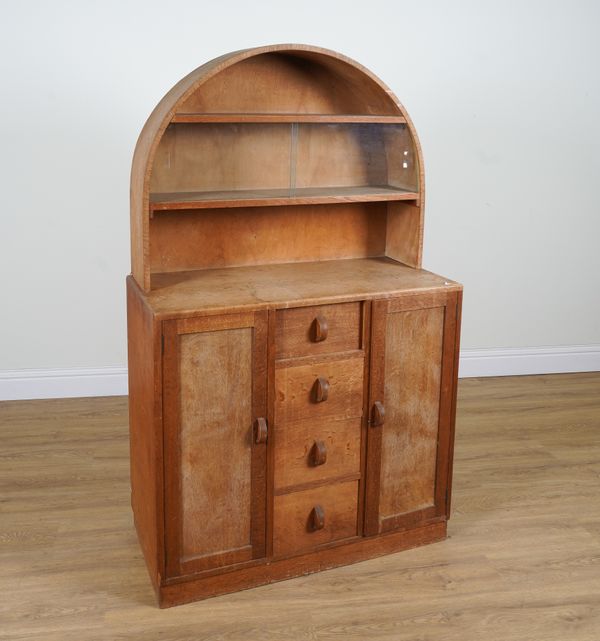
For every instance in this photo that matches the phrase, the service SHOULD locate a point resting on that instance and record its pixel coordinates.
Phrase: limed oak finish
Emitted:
(292, 367)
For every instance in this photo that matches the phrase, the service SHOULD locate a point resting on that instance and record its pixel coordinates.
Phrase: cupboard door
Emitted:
(411, 398)
(214, 410)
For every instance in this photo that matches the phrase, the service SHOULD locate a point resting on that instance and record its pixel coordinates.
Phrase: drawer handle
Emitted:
(321, 389)
(260, 431)
(317, 518)
(320, 329)
(377, 414)
(318, 453)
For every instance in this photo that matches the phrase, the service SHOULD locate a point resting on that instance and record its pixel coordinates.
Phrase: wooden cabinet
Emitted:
(292, 368)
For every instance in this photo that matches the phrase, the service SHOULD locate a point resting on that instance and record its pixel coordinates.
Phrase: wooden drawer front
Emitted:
(297, 391)
(304, 331)
(305, 520)
(313, 451)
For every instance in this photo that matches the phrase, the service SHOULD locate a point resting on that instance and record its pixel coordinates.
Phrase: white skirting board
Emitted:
(519, 361)
(21, 384)
(112, 381)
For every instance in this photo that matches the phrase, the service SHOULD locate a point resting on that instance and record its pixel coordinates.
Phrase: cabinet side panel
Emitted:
(216, 448)
(144, 442)
(413, 359)
(404, 237)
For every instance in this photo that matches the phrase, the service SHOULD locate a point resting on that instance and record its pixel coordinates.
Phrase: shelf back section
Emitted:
(252, 156)
(207, 238)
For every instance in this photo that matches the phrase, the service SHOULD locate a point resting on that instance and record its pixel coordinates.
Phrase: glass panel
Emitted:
(222, 157)
(356, 155)
(200, 163)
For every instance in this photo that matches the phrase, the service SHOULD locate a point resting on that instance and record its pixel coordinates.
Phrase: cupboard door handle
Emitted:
(318, 454)
(260, 431)
(320, 329)
(321, 389)
(377, 414)
(317, 518)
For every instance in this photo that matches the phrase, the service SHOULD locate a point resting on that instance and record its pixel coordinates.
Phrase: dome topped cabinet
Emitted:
(292, 369)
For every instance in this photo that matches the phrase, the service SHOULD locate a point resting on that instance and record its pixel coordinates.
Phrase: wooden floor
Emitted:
(522, 561)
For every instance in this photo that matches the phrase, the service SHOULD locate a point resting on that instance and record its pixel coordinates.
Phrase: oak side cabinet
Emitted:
(292, 368)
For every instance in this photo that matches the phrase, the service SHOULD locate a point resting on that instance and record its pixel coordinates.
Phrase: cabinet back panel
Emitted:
(295, 82)
(345, 155)
(225, 157)
(222, 157)
(216, 441)
(188, 240)
(413, 358)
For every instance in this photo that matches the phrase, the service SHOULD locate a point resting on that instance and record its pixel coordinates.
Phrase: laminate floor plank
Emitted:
(522, 561)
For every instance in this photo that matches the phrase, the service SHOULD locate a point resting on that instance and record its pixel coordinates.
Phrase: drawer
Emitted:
(304, 331)
(326, 389)
(304, 520)
(313, 451)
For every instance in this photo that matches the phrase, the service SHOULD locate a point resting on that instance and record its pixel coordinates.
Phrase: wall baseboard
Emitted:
(519, 361)
(23, 384)
(112, 381)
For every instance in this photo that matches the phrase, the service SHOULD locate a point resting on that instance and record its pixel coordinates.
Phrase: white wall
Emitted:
(505, 97)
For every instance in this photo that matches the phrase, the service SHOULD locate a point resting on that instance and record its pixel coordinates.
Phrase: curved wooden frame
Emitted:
(164, 112)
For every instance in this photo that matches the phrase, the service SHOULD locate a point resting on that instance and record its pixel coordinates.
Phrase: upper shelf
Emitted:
(273, 197)
(285, 118)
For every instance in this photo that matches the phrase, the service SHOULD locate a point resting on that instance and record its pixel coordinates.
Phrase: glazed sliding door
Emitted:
(411, 396)
(214, 385)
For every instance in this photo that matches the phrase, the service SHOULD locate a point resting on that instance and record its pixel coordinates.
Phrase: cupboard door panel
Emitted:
(216, 445)
(215, 389)
(413, 364)
(413, 369)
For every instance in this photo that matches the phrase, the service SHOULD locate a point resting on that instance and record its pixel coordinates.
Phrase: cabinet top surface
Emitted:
(286, 285)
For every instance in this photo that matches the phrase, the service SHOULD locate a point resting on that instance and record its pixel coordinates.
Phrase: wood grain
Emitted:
(293, 527)
(145, 420)
(276, 197)
(521, 562)
(294, 391)
(294, 456)
(215, 470)
(227, 161)
(200, 117)
(413, 364)
(216, 441)
(287, 285)
(290, 79)
(404, 237)
(278, 79)
(343, 155)
(262, 235)
(219, 157)
(296, 330)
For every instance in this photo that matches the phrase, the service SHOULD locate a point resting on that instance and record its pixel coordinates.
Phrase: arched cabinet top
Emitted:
(273, 87)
